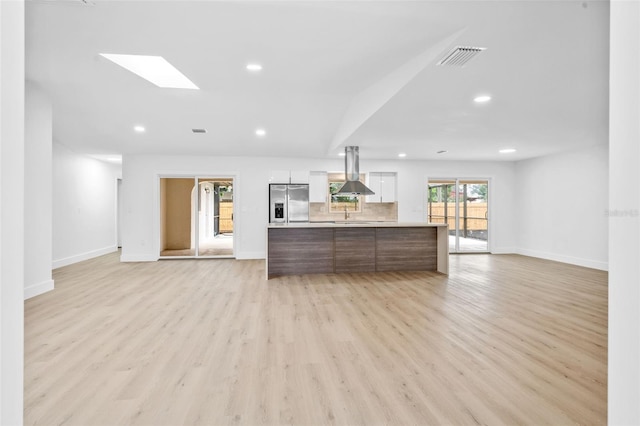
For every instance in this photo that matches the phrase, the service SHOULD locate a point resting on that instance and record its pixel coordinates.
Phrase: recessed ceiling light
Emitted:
(254, 67)
(155, 69)
(341, 154)
(507, 151)
(402, 155)
(139, 129)
(261, 132)
(482, 99)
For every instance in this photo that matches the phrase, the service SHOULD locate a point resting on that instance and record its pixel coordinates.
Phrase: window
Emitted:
(343, 203)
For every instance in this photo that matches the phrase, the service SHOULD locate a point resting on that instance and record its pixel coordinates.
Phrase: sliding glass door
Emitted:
(196, 217)
(215, 217)
(463, 204)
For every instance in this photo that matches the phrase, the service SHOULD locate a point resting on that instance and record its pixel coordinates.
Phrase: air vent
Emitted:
(199, 130)
(460, 55)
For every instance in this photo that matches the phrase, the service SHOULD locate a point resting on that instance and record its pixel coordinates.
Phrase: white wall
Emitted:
(561, 207)
(140, 222)
(624, 208)
(11, 211)
(37, 188)
(84, 207)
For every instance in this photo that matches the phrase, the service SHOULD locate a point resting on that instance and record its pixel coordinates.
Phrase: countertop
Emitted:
(355, 224)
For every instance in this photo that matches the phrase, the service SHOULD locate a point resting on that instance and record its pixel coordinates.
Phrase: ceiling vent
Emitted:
(199, 130)
(460, 55)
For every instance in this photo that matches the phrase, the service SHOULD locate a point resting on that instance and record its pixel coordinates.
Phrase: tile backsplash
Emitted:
(374, 212)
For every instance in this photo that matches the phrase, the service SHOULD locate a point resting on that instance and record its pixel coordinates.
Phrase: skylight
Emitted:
(154, 69)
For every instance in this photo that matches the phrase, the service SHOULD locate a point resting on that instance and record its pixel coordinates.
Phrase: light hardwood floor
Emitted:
(504, 339)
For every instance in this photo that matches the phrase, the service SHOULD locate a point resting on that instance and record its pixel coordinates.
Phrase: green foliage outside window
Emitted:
(335, 187)
(340, 203)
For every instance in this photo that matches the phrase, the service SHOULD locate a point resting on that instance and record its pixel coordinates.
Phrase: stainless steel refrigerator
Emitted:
(288, 203)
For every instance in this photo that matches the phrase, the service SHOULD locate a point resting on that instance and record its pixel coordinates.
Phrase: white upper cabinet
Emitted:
(384, 186)
(318, 187)
(373, 182)
(279, 176)
(388, 187)
(299, 176)
(289, 176)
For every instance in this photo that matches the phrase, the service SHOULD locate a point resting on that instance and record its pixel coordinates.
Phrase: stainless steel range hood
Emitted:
(353, 186)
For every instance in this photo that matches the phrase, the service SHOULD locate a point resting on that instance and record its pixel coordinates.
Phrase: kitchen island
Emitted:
(324, 248)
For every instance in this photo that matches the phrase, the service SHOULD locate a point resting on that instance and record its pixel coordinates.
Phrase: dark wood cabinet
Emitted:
(317, 249)
(300, 251)
(355, 250)
(406, 249)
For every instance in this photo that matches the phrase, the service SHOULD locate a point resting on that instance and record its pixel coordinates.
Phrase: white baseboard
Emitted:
(138, 258)
(247, 255)
(37, 289)
(587, 263)
(83, 256)
(503, 250)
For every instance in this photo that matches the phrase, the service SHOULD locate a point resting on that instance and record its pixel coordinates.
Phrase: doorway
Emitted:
(463, 204)
(196, 217)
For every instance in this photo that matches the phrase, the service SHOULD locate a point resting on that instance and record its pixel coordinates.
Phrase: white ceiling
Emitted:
(335, 73)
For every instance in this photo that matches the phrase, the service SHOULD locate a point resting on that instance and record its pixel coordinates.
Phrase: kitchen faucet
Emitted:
(346, 213)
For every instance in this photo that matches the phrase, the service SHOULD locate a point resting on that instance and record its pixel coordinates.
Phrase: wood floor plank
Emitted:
(503, 339)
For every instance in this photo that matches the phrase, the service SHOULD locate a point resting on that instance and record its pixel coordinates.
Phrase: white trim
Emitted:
(251, 255)
(83, 256)
(504, 250)
(587, 263)
(118, 201)
(138, 258)
(37, 289)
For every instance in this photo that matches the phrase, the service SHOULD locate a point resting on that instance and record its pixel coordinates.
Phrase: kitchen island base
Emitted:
(310, 248)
